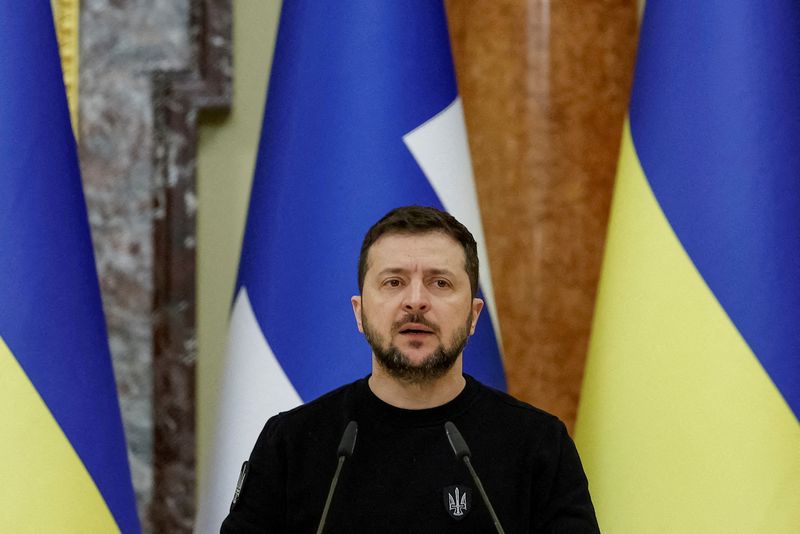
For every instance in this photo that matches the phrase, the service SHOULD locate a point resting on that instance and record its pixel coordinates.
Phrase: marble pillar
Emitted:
(147, 69)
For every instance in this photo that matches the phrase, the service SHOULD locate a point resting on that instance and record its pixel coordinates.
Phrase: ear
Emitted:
(355, 301)
(477, 306)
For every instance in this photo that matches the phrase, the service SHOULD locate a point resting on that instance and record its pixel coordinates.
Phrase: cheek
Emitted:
(375, 313)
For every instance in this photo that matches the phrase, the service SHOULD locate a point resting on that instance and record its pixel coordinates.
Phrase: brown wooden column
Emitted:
(545, 86)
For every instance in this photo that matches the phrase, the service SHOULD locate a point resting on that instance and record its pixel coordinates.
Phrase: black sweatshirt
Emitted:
(403, 475)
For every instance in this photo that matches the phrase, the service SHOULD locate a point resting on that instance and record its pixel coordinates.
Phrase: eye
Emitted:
(392, 282)
(441, 283)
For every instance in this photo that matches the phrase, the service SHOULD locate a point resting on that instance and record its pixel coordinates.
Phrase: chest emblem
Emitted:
(457, 501)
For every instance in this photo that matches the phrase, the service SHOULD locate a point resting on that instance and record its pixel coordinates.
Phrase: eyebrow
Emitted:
(401, 270)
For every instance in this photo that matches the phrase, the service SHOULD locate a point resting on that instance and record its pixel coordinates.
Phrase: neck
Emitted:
(416, 395)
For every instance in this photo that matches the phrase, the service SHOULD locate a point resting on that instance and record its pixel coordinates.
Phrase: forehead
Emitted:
(435, 250)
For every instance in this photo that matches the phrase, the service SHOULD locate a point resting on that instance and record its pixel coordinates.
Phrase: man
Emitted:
(418, 277)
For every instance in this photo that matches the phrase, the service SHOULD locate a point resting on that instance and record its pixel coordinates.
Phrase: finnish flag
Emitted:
(362, 116)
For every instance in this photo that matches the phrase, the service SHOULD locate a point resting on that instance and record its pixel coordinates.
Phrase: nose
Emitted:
(416, 298)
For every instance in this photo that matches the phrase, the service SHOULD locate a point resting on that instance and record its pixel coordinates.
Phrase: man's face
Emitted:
(416, 309)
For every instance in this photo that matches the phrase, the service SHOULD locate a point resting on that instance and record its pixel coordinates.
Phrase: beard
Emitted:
(399, 365)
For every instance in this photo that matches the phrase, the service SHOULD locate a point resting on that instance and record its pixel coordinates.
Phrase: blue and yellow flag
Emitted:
(63, 463)
(363, 115)
(688, 420)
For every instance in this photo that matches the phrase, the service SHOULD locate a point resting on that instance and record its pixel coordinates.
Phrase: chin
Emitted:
(418, 362)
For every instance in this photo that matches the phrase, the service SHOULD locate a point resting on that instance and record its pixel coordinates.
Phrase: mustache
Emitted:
(414, 318)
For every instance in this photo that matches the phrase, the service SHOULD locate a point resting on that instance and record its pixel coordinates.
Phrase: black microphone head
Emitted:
(348, 442)
(456, 441)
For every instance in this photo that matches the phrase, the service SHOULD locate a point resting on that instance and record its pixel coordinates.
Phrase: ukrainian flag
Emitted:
(688, 420)
(63, 464)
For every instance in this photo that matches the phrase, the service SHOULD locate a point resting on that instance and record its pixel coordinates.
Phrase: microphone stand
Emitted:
(462, 452)
(346, 446)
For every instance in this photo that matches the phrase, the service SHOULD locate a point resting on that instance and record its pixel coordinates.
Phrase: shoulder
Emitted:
(308, 420)
(510, 406)
(334, 398)
(514, 416)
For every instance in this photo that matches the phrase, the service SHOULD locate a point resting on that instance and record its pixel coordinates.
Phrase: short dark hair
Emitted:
(421, 220)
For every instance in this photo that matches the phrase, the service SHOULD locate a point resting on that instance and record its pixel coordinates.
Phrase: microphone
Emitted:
(463, 454)
(345, 450)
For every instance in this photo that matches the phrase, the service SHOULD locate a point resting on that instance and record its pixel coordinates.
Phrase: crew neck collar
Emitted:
(372, 408)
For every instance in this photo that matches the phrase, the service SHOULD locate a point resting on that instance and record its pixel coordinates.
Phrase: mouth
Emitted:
(415, 329)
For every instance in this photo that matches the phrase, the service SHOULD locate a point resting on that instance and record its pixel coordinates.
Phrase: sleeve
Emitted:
(565, 505)
(262, 498)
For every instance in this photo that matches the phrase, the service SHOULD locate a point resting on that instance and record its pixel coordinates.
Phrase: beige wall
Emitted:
(226, 157)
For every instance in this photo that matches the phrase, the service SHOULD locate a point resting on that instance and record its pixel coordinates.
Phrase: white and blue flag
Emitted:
(362, 116)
